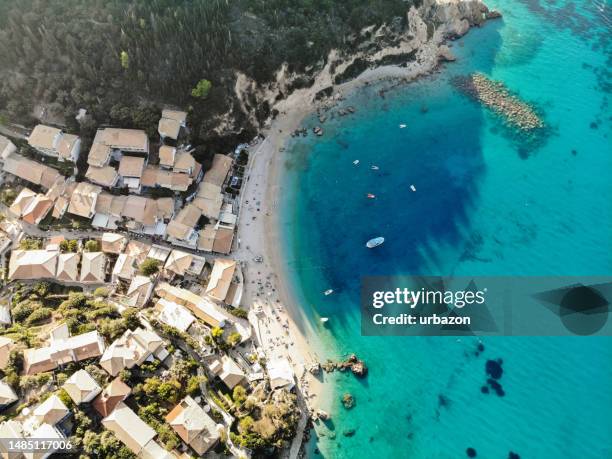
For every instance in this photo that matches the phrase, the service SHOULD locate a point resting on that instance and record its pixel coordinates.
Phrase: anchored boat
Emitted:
(375, 242)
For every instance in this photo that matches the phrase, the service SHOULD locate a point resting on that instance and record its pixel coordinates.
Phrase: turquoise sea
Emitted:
(487, 203)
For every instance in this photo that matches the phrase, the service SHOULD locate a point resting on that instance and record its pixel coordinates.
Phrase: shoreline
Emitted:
(259, 224)
(285, 330)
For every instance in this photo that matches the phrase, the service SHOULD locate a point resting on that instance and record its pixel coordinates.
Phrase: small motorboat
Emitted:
(324, 319)
(375, 242)
(328, 292)
(356, 162)
(402, 126)
(371, 196)
(412, 187)
(374, 168)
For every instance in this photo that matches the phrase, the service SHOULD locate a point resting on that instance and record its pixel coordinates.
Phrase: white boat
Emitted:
(374, 168)
(402, 126)
(375, 242)
(356, 162)
(412, 187)
(324, 319)
(328, 292)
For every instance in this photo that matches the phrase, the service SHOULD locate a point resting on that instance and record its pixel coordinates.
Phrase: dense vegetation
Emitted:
(121, 59)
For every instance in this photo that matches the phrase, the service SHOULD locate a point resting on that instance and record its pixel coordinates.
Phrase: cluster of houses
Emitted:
(118, 260)
(120, 183)
(51, 419)
(190, 293)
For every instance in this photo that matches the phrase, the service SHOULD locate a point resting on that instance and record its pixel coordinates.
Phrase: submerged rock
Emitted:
(471, 452)
(494, 369)
(348, 401)
(349, 432)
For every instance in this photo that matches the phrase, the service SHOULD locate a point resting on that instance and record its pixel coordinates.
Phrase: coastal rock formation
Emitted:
(348, 401)
(401, 50)
(446, 54)
(357, 366)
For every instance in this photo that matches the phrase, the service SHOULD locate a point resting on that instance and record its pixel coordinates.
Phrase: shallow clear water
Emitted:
(487, 203)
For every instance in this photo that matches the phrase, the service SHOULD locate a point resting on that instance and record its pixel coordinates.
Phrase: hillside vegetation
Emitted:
(106, 55)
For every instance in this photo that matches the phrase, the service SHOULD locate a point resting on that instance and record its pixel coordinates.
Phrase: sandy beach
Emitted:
(285, 330)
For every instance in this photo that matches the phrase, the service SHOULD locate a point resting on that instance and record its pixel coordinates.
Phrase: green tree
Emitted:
(239, 395)
(202, 89)
(30, 244)
(39, 315)
(125, 60)
(130, 316)
(216, 333)
(149, 267)
(92, 246)
(234, 338)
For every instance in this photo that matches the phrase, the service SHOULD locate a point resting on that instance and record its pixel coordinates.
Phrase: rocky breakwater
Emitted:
(495, 96)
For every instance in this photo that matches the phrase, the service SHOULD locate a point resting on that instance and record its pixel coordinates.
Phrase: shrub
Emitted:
(30, 244)
(39, 315)
(22, 311)
(149, 267)
(239, 312)
(234, 338)
(92, 246)
(101, 291)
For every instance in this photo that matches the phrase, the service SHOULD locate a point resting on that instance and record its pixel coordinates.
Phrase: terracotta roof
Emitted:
(66, 144)
(103, 203)
(81, 387)
(193, 425)
(166, 156)
(132, 431)
(165, 207)
(135, 207)
(184, 161)
(207, 238)
(189, 215)
(105, 176)
(138, 250)
(51, 411)
(178, 262)
(209, 200)
(31, 171)
(124, 267)
(219, 170)
(83, 199)
(169, 128)
(140, 290)
(99, 155)
(68, 267)
(223, 240)
(174, 115)
(115, 392)
(118, 205)
(131, 166)
(93, 266)
(113, 242)
(220, 278)
(37, 209)
(32, 264)
(123, 139)
(44, 137)
(21, 202)
(177, 230)
(154, 176)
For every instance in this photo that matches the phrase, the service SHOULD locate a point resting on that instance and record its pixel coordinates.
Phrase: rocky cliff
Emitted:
(403, 49)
